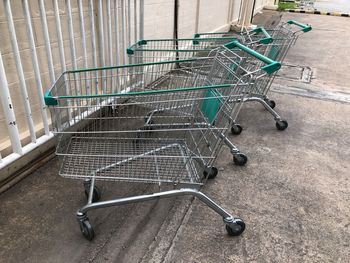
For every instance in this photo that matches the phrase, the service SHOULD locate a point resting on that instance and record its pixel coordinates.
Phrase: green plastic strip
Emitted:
(131, 49)
(305, 28)
(211, 33)
(211, 105)
(53, 100)
(271, 66)
(267, 39)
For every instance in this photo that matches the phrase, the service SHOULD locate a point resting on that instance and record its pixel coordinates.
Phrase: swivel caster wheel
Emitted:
(96, 194)
(213, 172)
(236, 129)
(86, 229)
(271, 103)
(281, 125)
(240, 159)
(236, 228)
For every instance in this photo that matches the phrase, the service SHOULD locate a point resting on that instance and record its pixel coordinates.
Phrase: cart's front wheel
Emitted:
(87, 230)
(271, 103)
(236, 129)
(240, 159)
(96, 194)
(281, 125)
(236, 228)
(213, 172)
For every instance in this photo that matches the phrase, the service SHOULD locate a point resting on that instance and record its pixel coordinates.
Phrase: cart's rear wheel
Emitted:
(236, 228)
(213, 172)
(236, 129)
(96, 194)
(281, 125)
(240, 159)
(271, 103)
(87, 230)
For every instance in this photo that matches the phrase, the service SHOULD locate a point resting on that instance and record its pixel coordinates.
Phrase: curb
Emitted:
(317, 12)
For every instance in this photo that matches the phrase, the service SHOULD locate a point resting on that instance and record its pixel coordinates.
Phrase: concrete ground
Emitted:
(342, 6)
(293, 194)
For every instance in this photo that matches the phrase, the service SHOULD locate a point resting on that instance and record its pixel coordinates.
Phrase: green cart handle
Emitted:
(305, 28)
(267, 39)
(271, 66)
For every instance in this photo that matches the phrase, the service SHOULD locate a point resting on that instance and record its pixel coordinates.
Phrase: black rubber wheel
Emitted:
(281, 125)
(240, 159)
(213, 172)
(236, 228)
(271, 103)
(96, 194)
(236, 129)
(87, 230)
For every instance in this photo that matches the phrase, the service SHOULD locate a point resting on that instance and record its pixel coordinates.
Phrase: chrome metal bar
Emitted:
(23, 87)
(166, 194)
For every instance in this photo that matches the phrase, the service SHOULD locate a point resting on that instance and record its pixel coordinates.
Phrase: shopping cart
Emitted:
(157, 128)
(154, 50)
(275, 46)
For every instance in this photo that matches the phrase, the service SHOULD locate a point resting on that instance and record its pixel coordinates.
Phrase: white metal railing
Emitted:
(113, 25)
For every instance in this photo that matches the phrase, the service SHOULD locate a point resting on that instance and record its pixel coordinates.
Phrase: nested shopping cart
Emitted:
(155, 123)
(275, 46)
(153, 50)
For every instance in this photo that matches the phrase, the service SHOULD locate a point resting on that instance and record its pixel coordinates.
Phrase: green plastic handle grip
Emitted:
(305, 28)
(267, 39)
(271, 66)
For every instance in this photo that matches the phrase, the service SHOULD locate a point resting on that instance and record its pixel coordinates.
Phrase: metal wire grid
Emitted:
(158, 155)
(156, 50)
(127, 160)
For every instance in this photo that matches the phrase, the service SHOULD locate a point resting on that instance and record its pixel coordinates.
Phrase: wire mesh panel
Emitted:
(154, 50)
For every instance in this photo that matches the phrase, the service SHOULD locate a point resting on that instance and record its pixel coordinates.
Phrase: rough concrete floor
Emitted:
(293, 194)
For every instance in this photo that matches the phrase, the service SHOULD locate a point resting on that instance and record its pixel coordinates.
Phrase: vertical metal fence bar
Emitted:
(61, 46)
(82, 29)
(196, 25)
(123, 30)
(7, 106)
(59, 35)
(102, 43)
(135, 21)
(71, 34)
(36, 67)
(83, 43)
(128, 27)
(101, 31)
(141, 22)
(19, 67)
(47, 40)
(110, 39)
(116, 24)
(93, 41)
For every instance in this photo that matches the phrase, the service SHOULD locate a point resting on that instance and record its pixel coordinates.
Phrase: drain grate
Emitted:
(295, 73)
